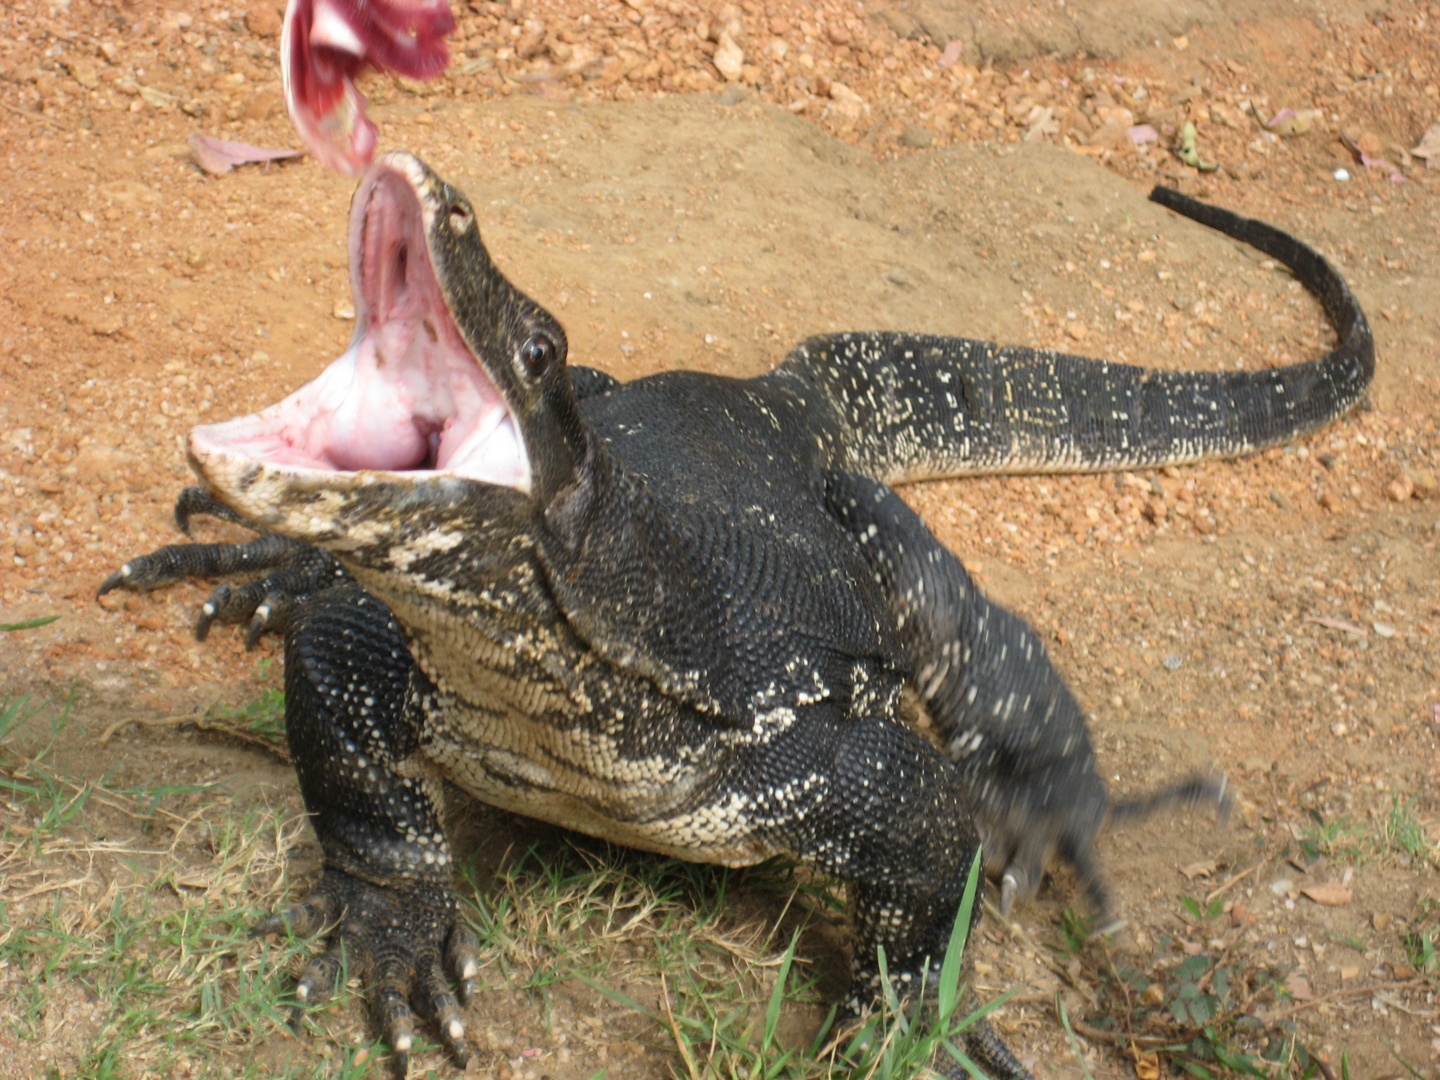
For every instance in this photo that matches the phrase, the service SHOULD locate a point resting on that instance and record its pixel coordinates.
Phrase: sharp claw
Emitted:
(115, 580)
(463, 960)
(258, 625)
(1007, 893)
(1108, 926)
(209, 610)
(400, 1063)
(393, 1012)
(296, 1021)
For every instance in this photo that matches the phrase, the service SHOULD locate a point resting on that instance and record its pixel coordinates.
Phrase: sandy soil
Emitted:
(938, 166)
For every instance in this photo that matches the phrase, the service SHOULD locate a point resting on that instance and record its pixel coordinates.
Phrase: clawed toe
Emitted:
(462, 960)
(309, 916)
(320, 977)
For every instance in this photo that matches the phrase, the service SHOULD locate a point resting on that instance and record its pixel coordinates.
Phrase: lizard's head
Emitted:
(452, 398)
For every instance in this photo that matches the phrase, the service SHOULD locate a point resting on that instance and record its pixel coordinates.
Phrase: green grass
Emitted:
(1396, 833)
(262, 717)
(720, 1037)
(29, 624)
(128, 908)
(1422, 949)
(1335, 838)
(1402, 832)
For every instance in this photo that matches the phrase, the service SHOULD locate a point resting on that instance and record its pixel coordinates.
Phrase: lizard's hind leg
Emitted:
(1001, 710)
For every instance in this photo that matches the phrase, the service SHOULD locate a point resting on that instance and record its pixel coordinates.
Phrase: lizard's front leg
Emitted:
(351, 708)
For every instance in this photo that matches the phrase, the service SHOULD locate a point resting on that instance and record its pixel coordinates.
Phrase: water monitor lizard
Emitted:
(677, 613)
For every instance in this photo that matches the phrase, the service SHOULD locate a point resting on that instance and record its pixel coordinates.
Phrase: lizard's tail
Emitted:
(910, 406)
(1190, 792)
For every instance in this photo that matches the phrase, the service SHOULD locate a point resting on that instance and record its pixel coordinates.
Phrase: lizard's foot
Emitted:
(409, 942)
(981, 1042)
(296, 571)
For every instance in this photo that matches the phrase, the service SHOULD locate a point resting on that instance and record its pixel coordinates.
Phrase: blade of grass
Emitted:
(1070, 1036)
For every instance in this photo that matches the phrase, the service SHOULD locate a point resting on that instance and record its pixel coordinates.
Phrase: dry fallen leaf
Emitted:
(1204, 868)
(219, 156)
(1147, 1065)
(1429, 147)
(1289, 122)
(1371, 152)
(1336, 624)
(1144, 134)
(1299, 987)
(1329, 893)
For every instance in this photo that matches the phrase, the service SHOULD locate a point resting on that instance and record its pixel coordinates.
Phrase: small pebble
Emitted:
(263, 19)
(917, 138)
(729, 58)
(1342, 174)
(1400, 489)
(732, 95)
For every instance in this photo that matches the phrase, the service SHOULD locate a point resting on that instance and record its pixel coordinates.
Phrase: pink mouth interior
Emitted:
(407, 396)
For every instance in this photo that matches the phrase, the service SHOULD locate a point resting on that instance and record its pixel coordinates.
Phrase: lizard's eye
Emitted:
(536, 355)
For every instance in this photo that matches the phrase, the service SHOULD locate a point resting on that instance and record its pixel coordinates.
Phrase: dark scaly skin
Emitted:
(689, 629)
(1002, 712)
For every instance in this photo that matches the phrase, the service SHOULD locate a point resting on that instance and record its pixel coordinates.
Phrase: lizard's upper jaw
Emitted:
(407, 401)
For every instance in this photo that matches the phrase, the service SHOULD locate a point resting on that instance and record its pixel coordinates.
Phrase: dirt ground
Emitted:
(691, 185)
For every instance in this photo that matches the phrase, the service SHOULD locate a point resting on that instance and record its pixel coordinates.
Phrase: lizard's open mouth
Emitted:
(408, 396)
